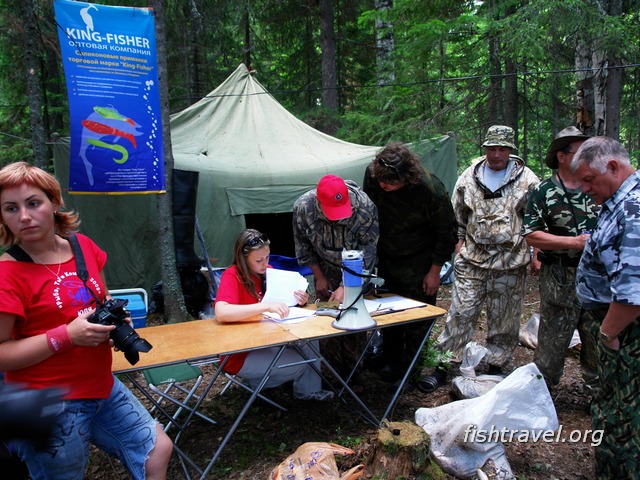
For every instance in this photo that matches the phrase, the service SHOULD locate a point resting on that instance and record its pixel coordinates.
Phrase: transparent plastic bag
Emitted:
(529, 332)
(315, 460)
(468, 384)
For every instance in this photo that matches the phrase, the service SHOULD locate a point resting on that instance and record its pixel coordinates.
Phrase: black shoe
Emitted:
(431, 383)
(389, 373)
(410, 386)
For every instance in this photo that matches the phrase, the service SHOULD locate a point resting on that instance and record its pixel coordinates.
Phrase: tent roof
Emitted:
(243, 131)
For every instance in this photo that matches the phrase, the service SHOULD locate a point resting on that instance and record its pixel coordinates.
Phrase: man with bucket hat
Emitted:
(491, 254)
(558, 220)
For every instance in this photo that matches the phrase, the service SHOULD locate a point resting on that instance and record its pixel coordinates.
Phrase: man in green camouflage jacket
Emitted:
(335, 216)
(558, 221)
(492, 256)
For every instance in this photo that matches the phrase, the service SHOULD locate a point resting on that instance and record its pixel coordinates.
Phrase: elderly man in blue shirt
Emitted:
(608, 281)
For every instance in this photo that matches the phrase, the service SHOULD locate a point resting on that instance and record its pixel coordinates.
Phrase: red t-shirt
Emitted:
(232, 291)
(40, 302)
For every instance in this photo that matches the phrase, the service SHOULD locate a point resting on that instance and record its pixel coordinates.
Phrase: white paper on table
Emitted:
(391, 304)
(296, 314)
(281, 284)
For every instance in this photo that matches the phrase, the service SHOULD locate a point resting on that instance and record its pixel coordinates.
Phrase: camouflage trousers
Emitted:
(560, 315)
(616, 406)
(502, 292)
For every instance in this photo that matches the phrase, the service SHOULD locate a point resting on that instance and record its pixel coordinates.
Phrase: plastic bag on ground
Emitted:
(575, 339)
(446, 273)
(315, 460)
(529, 332)
(467, 433)
(468, 384)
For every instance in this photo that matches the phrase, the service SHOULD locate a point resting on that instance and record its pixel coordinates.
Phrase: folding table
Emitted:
(202, 341)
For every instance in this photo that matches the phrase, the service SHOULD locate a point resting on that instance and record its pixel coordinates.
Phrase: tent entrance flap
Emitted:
(268, 199)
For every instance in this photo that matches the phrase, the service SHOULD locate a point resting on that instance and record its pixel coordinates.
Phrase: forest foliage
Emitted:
(402, 69)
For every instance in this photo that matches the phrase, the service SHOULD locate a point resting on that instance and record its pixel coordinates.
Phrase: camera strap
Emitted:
(19, 254)
(81, 265)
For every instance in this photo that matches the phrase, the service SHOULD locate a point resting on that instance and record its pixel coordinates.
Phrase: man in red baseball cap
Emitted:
(335, 216)
(333, 196)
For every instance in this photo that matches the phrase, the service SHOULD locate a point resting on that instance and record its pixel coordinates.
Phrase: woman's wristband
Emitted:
(59, 340)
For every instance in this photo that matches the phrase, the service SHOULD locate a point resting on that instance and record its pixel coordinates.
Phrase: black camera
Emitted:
(125, 338)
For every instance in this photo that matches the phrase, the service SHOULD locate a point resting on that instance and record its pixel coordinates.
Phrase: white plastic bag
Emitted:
(529, 332)
(468, 384)
(520, 405)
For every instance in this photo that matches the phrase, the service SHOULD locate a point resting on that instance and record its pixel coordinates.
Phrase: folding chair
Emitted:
(235, 380)
(167, 382)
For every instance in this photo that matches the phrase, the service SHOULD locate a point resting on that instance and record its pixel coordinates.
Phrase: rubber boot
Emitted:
(185, 193)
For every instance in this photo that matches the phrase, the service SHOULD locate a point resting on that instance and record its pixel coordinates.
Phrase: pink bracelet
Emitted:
(59, 340)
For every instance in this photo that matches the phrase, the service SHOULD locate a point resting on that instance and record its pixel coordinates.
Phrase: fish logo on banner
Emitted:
(110, 62)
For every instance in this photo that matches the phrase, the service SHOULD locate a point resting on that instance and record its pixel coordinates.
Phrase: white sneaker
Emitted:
(320, 396)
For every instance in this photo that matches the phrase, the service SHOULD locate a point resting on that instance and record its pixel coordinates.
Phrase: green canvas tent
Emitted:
(253, 157)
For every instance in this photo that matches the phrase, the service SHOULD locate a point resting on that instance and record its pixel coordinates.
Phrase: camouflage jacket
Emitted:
(609, 269)
(490, 223)
(319, 241)
(414, 218)
(548, 210)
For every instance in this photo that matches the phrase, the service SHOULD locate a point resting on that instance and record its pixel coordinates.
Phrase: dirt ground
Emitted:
(267, 436)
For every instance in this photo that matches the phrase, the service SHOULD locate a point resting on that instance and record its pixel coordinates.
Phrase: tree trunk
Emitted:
(614, 83)
(511, 96)
(328, 48)
(34, 86)
(174, 306)
(495, 70)
(197, 32)
(247, 37)
(585, 98)
(599, 89)
(612, 98)
(401, 450)
(384, 43)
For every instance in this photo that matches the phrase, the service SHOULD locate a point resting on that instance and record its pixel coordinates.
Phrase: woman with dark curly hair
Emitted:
(417, 236)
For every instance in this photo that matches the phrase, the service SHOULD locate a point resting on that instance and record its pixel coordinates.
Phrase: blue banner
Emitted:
(110, 64)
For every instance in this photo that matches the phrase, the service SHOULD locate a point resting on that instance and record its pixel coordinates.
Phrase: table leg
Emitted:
(403, 382)
(246, 407)
(370, 417)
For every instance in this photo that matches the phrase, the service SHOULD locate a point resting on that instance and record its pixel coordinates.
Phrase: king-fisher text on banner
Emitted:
(110, 64)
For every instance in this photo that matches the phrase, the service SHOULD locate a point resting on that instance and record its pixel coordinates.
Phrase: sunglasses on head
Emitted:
(255, 241)
(387, 165)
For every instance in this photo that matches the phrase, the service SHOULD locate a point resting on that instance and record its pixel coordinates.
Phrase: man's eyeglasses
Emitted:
(387, 165)
(255, 241)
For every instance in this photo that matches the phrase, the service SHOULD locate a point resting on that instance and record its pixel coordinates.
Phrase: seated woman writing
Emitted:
(241, 288)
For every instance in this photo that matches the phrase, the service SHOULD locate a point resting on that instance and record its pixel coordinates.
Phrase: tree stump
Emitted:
(400, 450)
